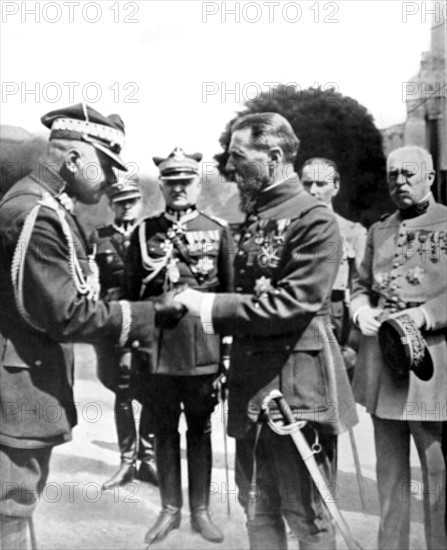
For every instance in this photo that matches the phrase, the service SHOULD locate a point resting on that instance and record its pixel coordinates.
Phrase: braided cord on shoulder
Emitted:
(83, 286)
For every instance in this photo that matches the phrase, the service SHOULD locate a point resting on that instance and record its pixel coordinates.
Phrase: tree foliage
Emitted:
(336, 127)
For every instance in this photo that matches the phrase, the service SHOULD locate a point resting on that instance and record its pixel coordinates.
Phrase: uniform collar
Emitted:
(54, 184)
(277, 193)
(417, 209)
(124, 230)
(180, 217)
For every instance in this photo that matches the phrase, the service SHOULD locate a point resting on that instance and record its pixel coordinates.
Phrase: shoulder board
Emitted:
(105, 231)
(385, 216)
(219, 221)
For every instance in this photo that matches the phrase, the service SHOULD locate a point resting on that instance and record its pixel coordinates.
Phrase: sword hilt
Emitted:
(290, 424)
(284, 408)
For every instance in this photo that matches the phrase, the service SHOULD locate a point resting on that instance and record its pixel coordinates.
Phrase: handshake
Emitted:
(174, 305)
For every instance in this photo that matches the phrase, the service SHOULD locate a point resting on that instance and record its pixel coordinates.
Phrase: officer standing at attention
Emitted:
(321, 178)
(283, 279)
(181, 246)
(111, 242)
(403, 275)
(49, 291)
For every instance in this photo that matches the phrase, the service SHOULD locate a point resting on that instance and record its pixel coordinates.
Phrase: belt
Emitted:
(396, 304)
(338, 295)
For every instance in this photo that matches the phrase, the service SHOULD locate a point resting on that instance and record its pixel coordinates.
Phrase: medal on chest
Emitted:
(173, 271)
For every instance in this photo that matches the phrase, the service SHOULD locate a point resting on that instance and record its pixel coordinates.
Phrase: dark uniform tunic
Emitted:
(55, 307)
(187, 360)
(285, 267)
(111, 242)
(185, 350)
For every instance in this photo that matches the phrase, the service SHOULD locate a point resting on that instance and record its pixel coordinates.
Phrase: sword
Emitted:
(358, 470)
(222, 398)
(293, 428)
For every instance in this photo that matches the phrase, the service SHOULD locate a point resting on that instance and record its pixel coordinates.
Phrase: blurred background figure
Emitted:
(321, 178)
(114, 371)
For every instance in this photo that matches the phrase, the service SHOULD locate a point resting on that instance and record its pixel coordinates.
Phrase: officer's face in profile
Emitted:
(320, 181)
(126, 210)
(91, 171)
(410, 177)
(182, 193)
(248, 166)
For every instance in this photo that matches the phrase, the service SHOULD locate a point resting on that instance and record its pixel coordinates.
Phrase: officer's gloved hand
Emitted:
(168, 312)
(367, 320)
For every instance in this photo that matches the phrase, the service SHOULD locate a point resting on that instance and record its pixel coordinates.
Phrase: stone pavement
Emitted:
(75, 514)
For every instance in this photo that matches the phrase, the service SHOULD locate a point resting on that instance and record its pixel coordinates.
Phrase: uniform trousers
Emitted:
(392, 440)
(167, 396)
(284, 489)
(23, 474)
(134, 443)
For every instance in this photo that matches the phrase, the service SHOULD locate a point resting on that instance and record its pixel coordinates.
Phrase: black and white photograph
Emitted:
(223, 275)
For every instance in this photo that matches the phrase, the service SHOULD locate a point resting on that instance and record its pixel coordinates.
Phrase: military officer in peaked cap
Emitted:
(49, 292)
(321, 178)
(404, 274)
(111, 242)
(181, 246)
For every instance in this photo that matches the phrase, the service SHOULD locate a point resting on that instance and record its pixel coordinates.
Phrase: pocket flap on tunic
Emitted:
(11, 358)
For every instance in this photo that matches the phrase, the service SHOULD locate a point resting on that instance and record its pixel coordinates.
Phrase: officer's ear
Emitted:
(72, 159)
(336, 185)
(430, 177)
(276, 154)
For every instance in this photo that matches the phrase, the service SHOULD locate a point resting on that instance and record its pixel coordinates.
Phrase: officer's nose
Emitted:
(401, 179)
(313, 189)
(111, 177)
(230, 167)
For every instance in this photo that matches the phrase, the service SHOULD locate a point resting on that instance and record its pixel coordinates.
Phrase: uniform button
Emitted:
(38, 363)
(239, 289)
(287, 348)
(241, 271)
(135, 344)
(240, 253)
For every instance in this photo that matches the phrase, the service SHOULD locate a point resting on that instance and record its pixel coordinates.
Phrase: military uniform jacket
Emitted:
(38, 331)
(112, 242)
(285, 267)
(353, 237)
(405, 266)
(185, 350)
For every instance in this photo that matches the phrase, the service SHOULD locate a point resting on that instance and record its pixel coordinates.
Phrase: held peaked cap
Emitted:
(178, 165)
(404, 348)
(81, 122)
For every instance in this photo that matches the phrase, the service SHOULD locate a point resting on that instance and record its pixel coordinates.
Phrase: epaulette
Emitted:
(105, 231)
(216, 219)
(385, 216)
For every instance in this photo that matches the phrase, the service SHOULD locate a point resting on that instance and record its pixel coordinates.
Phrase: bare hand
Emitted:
(367, 321)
